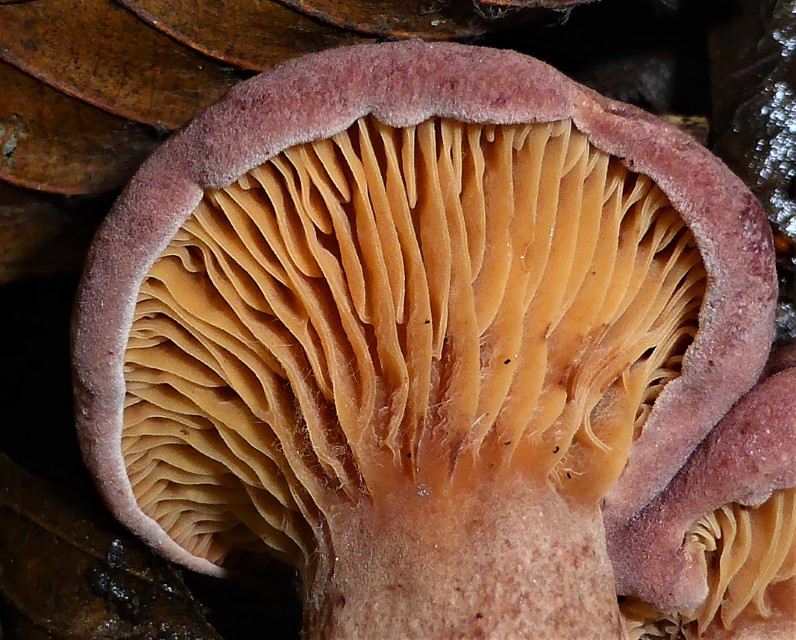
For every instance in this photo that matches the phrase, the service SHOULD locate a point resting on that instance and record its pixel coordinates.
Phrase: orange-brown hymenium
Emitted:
(418, 319)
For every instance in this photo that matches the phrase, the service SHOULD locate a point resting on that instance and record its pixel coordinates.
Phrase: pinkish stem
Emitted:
(506, 560)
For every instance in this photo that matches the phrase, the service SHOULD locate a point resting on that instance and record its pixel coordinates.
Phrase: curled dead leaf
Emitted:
(104, 55)
(427, 19)
(55, 143)
(251, 34)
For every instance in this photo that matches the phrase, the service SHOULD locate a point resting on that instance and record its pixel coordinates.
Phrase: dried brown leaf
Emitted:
(55, 143)
(429, 19)
(68, 578)
(253, 34)
(101, 53)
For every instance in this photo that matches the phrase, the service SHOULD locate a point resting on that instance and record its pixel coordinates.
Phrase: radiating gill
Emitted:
(394, 306)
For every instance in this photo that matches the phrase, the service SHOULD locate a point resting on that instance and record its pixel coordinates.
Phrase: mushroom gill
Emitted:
(744, 551)
(424, 307)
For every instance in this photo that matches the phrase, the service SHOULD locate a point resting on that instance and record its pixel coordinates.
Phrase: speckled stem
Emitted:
(510, 560)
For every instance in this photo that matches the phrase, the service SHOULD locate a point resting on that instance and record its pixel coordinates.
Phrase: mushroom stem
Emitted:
(507, 560)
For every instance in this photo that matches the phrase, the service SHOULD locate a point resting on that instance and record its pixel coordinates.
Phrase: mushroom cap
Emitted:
(403, 84)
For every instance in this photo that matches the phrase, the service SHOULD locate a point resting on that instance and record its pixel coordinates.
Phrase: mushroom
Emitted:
(405, 316)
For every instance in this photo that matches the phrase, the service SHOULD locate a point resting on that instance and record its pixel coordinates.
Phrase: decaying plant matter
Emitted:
(427, 322)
